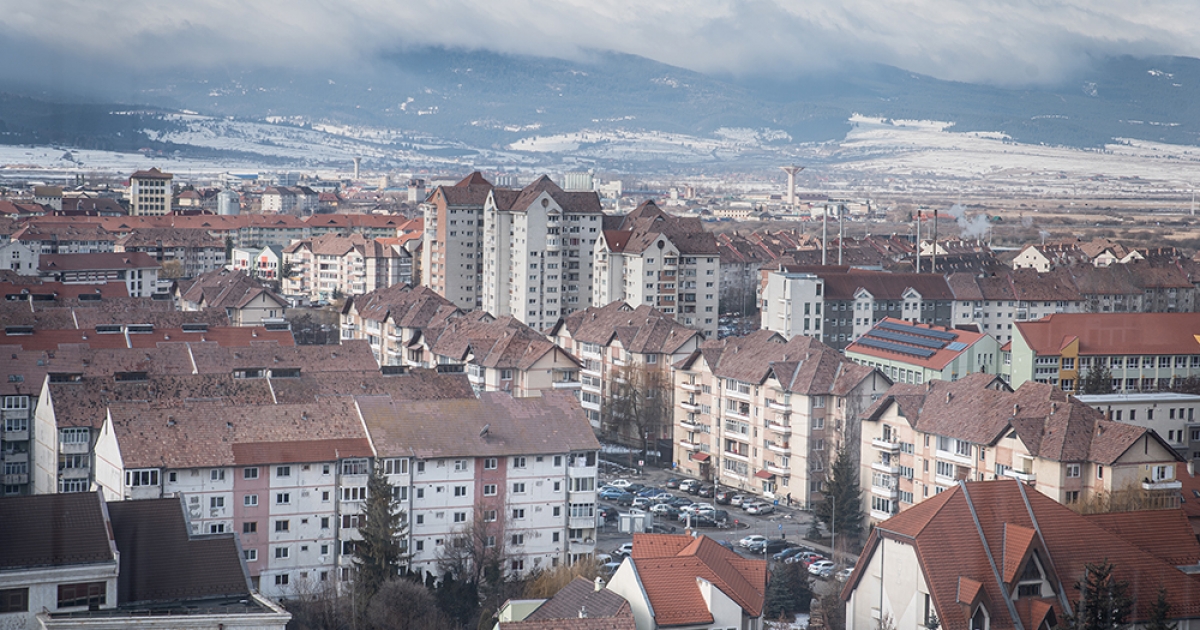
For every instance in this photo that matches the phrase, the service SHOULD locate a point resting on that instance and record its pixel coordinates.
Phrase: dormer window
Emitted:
(1032, 582)
(980, 620)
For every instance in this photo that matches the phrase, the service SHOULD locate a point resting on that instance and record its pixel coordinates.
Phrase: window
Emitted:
(283, 498)
(145, 477)
(420, 467)
(518, 514)
(460, 491)
(489, 463)
(283, 471)
(519, 488)
(82, 594)
(14, 600)
(216, 528)
(489, 490)
(283, 552)
(355, 467)
(281, 579)
(250, 473)
(250, 500)
(489, 516)
(217, 474)
(518, 539)
(282, 525)
(249, 527)
(1099, 472)
(518, 462)
(216, 502)
(1072, 496)
(250, 555)
(460, 465)
(460, 517)
(1072, 470)
(395, 466)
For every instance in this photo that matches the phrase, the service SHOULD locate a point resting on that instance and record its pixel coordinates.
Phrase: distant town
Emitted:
(524, 401)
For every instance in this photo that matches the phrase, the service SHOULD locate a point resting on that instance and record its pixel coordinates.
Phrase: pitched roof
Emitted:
(647, 224)
(921, 340)
(553, 423)
(100, 261)
(960, 535)
(580, 594)
(407, 306)
(155, 541)
(472, 190)
(222, 288)
(801, 365)
(491, 342)
(642, 330)
(668, 566)
(54, 530)
(1115, 333)
(570, 202)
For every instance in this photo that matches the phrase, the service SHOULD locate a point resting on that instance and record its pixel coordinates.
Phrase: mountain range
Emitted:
(452, 102)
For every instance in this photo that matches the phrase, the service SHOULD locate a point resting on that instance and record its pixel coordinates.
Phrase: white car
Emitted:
(751, 539)
(760, 508)
(623, 550)
(821, 567)
(620, 483)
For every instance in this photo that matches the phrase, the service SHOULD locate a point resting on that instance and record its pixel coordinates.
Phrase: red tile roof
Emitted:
(668, 566)
(1115, 333)
(938, 361)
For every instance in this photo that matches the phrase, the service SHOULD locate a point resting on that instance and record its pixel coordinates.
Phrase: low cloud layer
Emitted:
(1006, 42)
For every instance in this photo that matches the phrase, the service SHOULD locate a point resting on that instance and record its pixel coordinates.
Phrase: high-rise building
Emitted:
(150, 192)
(452, 252)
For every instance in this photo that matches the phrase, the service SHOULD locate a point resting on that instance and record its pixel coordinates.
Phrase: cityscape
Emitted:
(585, 329)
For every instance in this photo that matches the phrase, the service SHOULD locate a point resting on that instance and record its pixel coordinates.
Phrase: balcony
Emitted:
(73, 448)
(74, 473)
(688, 445)
(1027, 477)
(690, 387)
(734, 435)
(584, 545)
(567, 385)
(777, 469)
(886, 468)
(16, 480)
(348, 326)
(736, 456)
(689, 406)
(887, 493)
(779, 448)
(1162, 484)
(778, 427)
(777, 405)
(553, 245)
(19, 436)
(744, 417)
(885, 445)
(689, 425)
(582, 522)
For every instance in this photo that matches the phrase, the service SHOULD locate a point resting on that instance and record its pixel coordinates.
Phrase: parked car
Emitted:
(806, 558)
(673, 482)
(625, 500)
(760, 508)
(738, 499)
(609, 568)
(680, 501)
(610, 493)
(642, 503)
(623, 550)
(620, 483)
(723, 497)
(751, 539)
(747, 501)
(720, 516)
(776, 545)
(665, 510)
(821, 568)
(648, 492)
(610, 515)
(705, 491)
(726, 544)
(788, 553)
(844, 574)
(687, 484)
(704, 520)
(635, 487)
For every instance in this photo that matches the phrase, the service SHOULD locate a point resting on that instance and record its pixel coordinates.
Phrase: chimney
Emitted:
(1016, 408)
(1191, 469)
(948, 397)
(583, 612)
(599, 583)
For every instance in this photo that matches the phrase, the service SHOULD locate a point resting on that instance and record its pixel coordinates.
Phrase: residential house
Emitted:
(660, 260)
(1142, 351)
(330, 265)
(616, 338)
(915, 353)
(764, 414)
(259, 262)
(1171, 415)
(393, 319)
(992, 555)
(1044, 257)
(673, 581)
(184, 253)
(18, 257)
(137, 270)
(245, 300)
(920, 440)
(581, 605)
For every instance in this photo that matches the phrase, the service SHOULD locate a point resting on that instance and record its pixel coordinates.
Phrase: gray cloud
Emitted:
(1000, 41)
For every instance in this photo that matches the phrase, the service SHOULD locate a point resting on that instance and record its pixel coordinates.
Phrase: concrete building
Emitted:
(59, 237)
(258, 262)
(49, 196)
(244, 300)
(994, 302)
(537, 245)
(1142, 351)
(660, 260)
(294, 200)
(393, 321)
(329, 266)
(920, 440)
(916, 353)
(138, 271)
(993, 555)
(150, 193)
(1171, 415)
(186, 253)
(452, 252)
(766, 415)
(614, 338)
(18, 257)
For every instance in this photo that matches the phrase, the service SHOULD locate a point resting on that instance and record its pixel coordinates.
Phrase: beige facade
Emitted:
(329, 266)
(150, 192)
(452, 252)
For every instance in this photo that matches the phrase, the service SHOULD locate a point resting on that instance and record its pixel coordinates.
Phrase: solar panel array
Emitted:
(871, 342)
(914, 330)
(924, 342)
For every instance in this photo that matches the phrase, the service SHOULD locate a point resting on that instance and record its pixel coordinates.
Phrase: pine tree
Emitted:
(1104, 602)
(379, 556)
(1097, 380)
(840, 509)
(788, 593)
(1160, 613)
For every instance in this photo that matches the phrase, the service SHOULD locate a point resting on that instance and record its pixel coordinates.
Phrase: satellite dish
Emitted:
(484, 431)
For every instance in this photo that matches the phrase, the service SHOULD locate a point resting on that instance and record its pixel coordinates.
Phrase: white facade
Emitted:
(791, 304)
(150, 193)
(20, 258)
(1172, 416)
(685, 287)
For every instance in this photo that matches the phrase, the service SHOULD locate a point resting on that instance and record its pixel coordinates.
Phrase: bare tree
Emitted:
(639, 404)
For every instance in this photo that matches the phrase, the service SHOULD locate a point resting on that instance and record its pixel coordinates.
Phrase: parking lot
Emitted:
(784, 522)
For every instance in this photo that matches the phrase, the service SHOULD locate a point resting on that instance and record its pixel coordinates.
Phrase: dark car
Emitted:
(703, 521)
(720, 516)
(648, 492)
(705, 491)
(610, 515)
(775, 545)
(673, 482)
(635, 487)
(724, 496)
(624, 500)
(787, 553)
(692, 489)
(680, 502)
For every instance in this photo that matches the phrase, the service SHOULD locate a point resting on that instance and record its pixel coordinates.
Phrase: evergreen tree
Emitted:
(379, 556)
(1104, 602)
(788, 593)
(840, 509)
(1097, 380)
(1160, 613)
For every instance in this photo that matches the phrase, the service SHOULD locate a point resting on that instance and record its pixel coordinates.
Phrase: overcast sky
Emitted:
(998, 41)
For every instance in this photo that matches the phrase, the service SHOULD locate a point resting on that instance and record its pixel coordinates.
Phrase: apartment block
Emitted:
(660, 260)
(467, 467)
(18, 257)
(617, 337)
(137, 270)
(295, 200)
(452, 251)
(194, 251)
(1142, 351)
(537, 245)
(245, 300)
(150, 192)
(921, 440)
(328, 266)
(766, 415)
(393, 320)
(59, 237)
(1171, 415)
(994, 302)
